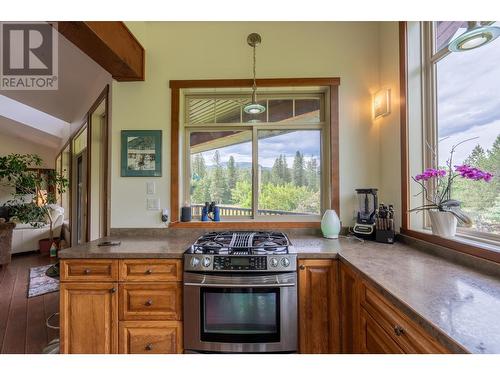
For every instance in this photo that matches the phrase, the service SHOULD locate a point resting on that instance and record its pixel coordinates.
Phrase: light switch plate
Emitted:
(153, 204)
(150, 187)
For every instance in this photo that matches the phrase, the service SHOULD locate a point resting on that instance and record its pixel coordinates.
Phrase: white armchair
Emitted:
(25, 237)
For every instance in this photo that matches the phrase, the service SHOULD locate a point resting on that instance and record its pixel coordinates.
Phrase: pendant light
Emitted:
(477, 34)
(254, 108)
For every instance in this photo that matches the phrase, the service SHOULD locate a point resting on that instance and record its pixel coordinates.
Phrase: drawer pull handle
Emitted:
(398, 330)
(149, 272)
(87, 271)
(149, 302)
(113, 290)
(149, 347)
(302, 267)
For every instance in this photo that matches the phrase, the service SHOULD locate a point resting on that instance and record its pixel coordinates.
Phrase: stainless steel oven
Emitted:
(240, 312)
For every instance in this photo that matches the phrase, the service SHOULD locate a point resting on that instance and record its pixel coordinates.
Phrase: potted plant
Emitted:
(437, 183)
(33, 195)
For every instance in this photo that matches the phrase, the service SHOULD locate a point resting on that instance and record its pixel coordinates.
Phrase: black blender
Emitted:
(365, 218)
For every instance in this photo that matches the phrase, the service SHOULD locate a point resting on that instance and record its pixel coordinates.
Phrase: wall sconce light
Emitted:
(381, 103)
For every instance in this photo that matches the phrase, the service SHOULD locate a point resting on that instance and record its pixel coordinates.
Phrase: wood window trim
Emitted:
(176, 85)
(459, 246)
(104, 95)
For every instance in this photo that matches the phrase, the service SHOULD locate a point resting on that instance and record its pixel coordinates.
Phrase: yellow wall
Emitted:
(390, 149)
(201, 50)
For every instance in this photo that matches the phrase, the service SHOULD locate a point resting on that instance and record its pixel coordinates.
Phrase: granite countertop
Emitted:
(442, 296)
(131, 247)
(458, 305)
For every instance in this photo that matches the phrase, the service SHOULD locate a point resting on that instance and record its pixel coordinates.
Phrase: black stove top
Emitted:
(241, 243)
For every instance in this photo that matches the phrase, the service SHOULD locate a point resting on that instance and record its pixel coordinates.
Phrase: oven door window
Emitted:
(240, 315)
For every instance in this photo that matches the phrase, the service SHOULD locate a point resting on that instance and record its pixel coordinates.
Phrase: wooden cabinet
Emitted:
(150, 337)
(89, 318)
(121, 306)
(350, 284)
(319, 328)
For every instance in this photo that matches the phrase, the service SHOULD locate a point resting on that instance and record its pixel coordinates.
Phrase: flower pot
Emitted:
(44, 245)
(443, 224)
(6, 242)
(330, 224)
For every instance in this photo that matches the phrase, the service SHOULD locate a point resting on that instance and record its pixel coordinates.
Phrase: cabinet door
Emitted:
(350, 284)
(374, 339)
(89, 318)
(319, 315)
(150, 337)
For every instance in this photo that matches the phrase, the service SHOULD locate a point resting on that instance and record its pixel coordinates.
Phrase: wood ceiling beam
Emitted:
(110, 44)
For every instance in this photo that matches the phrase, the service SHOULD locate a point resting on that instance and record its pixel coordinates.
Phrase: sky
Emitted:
(306, 141)
(468, 99)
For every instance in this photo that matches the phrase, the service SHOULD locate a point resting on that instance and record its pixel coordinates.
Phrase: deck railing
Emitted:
(228, 211)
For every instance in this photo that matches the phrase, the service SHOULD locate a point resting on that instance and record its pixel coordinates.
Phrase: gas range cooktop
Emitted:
(241, 243)
(240, 251)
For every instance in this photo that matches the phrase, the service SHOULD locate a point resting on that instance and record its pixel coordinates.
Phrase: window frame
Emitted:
(178, 149)
(321, 125)
(482, 247)
(429, 93)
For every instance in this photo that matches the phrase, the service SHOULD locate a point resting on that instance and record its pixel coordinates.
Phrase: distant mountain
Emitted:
(239, 165)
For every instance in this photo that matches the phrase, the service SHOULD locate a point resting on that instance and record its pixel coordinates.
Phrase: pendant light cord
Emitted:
(254, 87)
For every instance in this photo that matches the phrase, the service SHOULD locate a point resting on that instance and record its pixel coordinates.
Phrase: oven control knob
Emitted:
(206, 262)
(285, 262)
(273, 262)
(195, 262)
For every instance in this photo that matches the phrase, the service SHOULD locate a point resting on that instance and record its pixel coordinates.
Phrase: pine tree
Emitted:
(276, 171)
(285, 172)
(298, 169)
(199, 169)
(232, 176)
(218, 185)
(312, 174)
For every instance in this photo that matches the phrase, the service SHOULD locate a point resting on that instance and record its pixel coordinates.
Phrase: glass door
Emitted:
(240, 315)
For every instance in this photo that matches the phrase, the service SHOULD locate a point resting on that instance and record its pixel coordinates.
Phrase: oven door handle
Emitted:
(211, 285)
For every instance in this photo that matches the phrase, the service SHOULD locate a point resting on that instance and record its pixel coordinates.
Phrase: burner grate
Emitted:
(241, 243)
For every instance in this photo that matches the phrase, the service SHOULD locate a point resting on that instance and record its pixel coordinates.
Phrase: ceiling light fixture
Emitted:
(477, 34)
(254, 108)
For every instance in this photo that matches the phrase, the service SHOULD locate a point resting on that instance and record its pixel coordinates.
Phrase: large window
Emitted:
(253, 166)
(462, 94)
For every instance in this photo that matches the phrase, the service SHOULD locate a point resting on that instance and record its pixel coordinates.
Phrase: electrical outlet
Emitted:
(153, 204)
(150, 187)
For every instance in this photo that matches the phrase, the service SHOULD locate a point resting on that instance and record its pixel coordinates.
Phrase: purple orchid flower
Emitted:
(430, 173)
(472, 173)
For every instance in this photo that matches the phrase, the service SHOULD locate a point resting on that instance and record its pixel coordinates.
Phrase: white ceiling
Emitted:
(30, 116)
(78, 77)
(17, 129)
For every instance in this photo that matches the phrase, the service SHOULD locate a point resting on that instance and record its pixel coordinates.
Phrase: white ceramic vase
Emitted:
(443, 224)
(330, 224)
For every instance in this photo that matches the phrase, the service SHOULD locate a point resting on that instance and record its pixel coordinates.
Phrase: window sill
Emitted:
(247, 224)
(465, 245)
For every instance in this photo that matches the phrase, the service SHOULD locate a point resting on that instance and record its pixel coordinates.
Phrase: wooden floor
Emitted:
(22, 320)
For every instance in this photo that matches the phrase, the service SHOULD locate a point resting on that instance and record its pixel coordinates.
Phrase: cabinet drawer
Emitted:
(152, 301)
(150, 337)
(407, 334)
(150, 270)
(89, 270)
(374, 340)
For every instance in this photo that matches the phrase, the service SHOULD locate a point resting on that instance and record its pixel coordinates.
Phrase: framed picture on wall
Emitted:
(141, 153)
